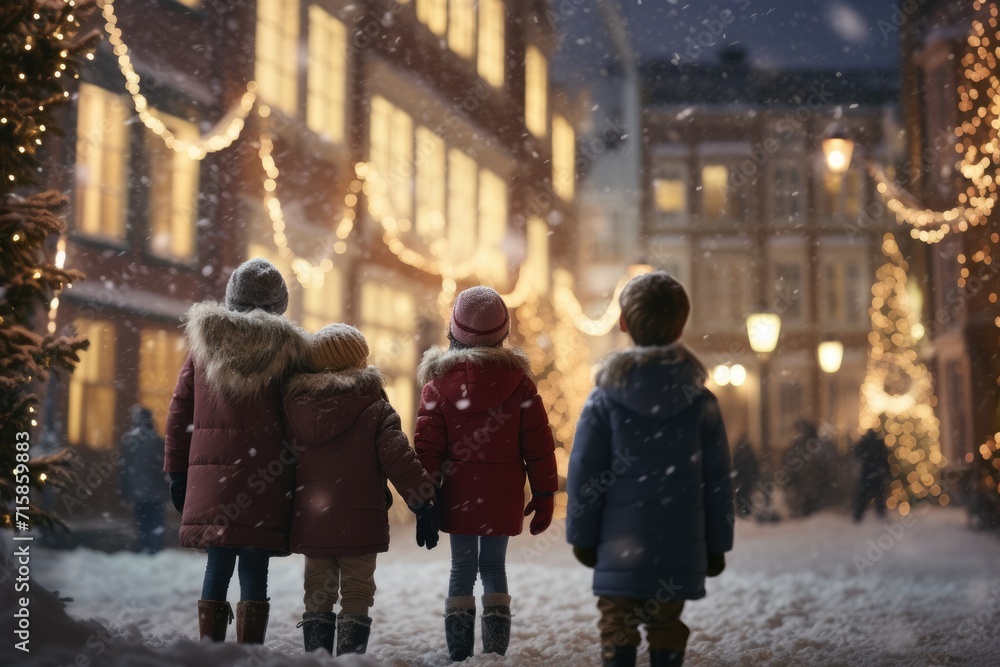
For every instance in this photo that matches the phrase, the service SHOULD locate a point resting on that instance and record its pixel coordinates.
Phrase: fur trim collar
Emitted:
(614, 370)
(240, 352)
(360, 381)
(439, 360)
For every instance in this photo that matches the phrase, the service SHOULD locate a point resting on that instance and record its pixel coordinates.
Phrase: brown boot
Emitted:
(251, 621)
(213, 618)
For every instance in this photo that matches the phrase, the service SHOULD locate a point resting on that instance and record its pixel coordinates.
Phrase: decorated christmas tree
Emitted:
(897, 398)
(39, 53)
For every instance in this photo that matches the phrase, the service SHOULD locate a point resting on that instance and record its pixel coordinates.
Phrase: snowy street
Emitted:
(822, 591)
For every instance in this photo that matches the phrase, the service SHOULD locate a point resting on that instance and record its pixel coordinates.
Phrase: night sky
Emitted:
(781, 34)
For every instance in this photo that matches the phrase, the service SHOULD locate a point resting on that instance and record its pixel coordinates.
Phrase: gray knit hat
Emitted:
(256, 283)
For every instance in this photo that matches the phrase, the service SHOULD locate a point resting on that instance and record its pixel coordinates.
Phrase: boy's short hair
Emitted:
(655, 308)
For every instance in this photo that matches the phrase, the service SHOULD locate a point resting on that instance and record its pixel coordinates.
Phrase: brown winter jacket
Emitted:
(348, 441)
(225, 429)
(481, 430)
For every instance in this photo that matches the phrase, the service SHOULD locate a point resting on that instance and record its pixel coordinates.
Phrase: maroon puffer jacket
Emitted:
(481, 426)
(348, 440)
(225, 429)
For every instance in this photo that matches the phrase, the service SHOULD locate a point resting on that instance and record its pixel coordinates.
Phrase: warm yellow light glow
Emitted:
(737, 375)
(536, 91)
(837, 151)
(720, 375)
(763, 330)
(831, 355)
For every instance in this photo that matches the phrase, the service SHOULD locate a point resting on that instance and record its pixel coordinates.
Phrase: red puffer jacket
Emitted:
(226, 432)
(480, 428)
(348, 440)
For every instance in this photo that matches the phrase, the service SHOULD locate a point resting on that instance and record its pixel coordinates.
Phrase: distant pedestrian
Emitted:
(747, 475)
(873, 480)
(142, 481)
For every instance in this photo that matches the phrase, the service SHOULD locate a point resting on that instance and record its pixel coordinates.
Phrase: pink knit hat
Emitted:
(479, 318)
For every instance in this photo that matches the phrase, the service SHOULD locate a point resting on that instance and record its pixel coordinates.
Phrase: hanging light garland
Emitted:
(221, 136)
(979, 154)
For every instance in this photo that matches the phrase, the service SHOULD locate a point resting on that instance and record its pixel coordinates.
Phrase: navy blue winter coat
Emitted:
(649, 476)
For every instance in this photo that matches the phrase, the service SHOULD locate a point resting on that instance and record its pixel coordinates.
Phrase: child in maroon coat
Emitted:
(481, 431)
(349, 442)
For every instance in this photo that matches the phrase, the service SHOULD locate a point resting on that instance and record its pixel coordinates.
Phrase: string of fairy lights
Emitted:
(978, 147)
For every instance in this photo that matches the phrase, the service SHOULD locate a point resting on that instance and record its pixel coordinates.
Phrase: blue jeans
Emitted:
(470, 554)
(219, 570)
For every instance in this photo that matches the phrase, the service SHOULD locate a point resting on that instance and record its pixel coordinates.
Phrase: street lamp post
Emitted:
(763, 330)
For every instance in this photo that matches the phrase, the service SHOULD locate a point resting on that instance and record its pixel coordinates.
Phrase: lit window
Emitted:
(322, 300)
(92, 388)
(537, 262)
(102, 163)
(276, 70)
(462, 177)
(563, 157)
(493, 225)
(492, 19)
(717, 200)
(431, 184)
(326, 96)
(391, 151)
(726, 285)
(536, 91)
(462, 27)
(389, 323)
(433, 14)
(191, 3)
(161, 355)
(670, 196)
(173, 200)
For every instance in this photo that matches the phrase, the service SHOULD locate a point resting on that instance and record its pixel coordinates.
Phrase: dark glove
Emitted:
(716, 564)
(586, 555)
(178, 490)
(542, 506)
(428, 524)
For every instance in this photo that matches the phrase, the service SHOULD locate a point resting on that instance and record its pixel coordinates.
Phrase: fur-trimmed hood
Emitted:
(655, 381)
(439, 360)
(240, 352)
(365, 381)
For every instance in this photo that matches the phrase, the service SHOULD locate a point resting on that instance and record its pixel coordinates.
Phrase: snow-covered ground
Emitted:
(824, 591)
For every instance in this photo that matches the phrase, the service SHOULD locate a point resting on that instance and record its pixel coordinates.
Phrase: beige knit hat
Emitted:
(337, 347)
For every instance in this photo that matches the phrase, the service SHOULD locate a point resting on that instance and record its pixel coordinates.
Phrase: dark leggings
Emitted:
(219, 570)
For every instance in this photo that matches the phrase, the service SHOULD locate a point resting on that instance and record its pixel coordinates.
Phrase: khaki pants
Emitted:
(353, 577)
(621, 618)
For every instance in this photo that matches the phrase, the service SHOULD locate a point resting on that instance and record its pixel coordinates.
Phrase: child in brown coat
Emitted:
(348, 441)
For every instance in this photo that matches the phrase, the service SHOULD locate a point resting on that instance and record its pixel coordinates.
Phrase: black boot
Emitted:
(663, 657)
(495, 629)
(353, 631)
(460, 626)
(618, 656)
(318, 630)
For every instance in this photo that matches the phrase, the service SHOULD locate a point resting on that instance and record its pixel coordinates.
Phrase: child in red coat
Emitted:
(481, 431)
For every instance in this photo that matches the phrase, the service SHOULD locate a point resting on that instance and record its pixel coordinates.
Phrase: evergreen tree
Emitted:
(40, 50)
(897, 398)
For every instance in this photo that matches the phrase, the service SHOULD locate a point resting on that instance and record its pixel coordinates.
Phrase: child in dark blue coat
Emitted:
(650, 495)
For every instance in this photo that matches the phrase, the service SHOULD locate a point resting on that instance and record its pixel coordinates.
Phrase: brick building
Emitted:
(448, 101)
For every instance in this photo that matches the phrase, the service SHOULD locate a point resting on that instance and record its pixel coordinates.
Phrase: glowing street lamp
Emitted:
(720, 375)
(763, 330)
(737, 375)
(831, 355)
(838, 148)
